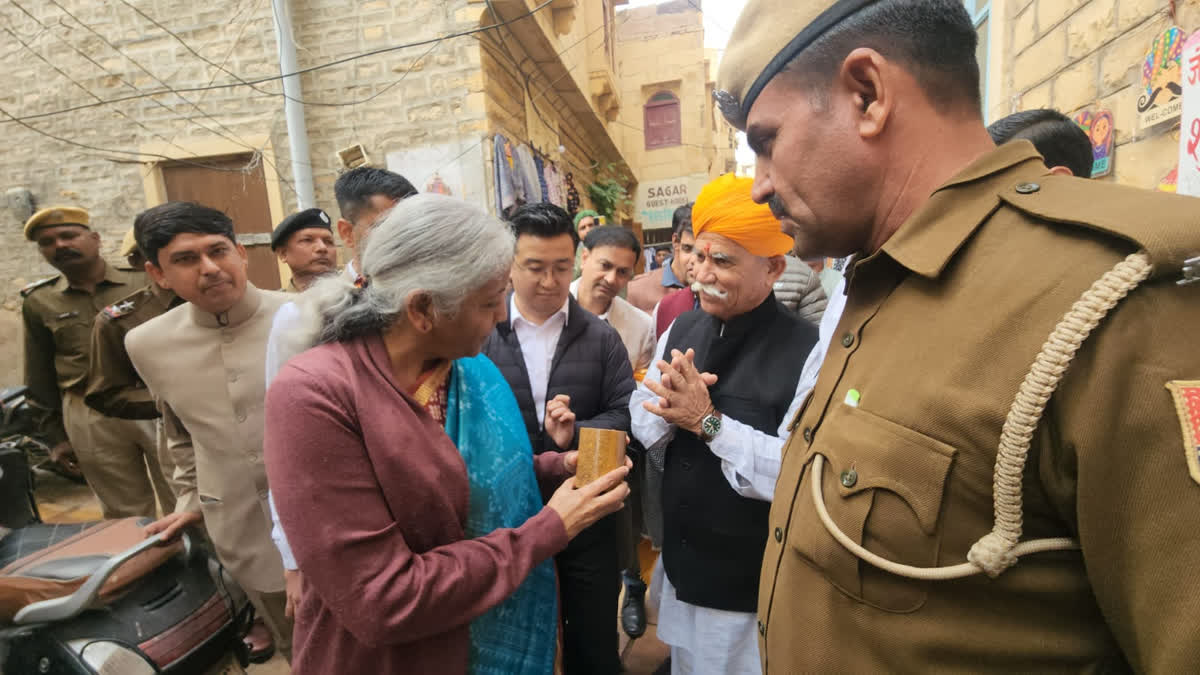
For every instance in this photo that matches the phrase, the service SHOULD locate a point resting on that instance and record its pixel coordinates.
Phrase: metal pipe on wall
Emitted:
(292, 107)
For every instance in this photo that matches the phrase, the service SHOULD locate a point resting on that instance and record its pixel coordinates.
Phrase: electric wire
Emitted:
(270, 78)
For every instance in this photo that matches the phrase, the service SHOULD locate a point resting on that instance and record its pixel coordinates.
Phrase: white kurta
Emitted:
(702, 639)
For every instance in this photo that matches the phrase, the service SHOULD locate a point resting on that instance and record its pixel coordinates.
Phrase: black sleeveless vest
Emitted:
(714, 538)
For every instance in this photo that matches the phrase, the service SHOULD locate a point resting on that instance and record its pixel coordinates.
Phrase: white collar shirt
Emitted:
(538, 344)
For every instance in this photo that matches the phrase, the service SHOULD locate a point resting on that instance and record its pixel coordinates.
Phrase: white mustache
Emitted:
(709, 290)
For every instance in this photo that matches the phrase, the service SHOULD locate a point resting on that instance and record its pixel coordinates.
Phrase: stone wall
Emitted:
(76, 51)
(538, 90)
(661, 48)
(1072, 54)
(542, 120)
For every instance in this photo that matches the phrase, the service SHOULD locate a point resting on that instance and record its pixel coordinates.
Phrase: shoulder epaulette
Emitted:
(119, 309)
(1165, 226)
(37, 284)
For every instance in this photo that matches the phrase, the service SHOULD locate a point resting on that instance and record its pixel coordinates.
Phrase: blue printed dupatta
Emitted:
(518, 636)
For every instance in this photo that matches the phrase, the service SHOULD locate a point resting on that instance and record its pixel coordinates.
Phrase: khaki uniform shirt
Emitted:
(58, 327)
(939, 329)
(113, 385)
(207, 375)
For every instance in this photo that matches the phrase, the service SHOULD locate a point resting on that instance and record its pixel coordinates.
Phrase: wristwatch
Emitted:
(710, 426)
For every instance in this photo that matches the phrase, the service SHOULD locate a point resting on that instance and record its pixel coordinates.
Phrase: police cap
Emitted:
(128, 244)
(766, 37)
(300, 220)
(54, 216)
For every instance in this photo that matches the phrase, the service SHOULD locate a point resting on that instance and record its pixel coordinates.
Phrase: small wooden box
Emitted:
(600, 451)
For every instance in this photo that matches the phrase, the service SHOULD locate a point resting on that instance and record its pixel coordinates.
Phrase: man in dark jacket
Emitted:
(568, 369)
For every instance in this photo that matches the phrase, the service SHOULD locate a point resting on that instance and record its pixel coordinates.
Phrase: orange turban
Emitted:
(724, 207)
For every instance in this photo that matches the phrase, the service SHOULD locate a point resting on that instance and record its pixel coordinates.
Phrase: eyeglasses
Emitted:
(539, 270)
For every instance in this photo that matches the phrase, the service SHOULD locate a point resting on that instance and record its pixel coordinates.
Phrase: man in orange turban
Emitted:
(714, 420)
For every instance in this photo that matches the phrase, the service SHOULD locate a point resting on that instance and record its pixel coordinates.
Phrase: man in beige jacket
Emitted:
(203, 363)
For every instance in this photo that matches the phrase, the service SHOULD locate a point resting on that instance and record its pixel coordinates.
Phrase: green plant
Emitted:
(607, 191)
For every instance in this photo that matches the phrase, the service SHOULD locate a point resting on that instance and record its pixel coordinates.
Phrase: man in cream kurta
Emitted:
(205, 370)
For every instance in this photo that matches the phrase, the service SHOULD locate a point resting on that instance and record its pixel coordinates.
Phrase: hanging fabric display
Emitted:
(505, 192)
(554, 189)
(572, 194)
(541, 174)
(525, 174)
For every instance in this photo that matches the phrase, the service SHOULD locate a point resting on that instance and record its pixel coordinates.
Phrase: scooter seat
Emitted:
(42, 564)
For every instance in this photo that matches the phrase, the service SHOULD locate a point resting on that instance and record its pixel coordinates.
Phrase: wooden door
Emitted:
(226, 184)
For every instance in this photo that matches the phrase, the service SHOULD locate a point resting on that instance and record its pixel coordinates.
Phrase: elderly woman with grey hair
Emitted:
(400, 466)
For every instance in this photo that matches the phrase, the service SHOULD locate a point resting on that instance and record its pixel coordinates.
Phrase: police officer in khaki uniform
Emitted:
(113, 385)
(114, 454)
(914, 529)
(203, 362)
(304, 242)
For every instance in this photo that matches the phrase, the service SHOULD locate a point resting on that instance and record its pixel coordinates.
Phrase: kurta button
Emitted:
(808, 435)
(849, 478)
(848, 339)
(778, 534)
(762, 630)
(1028, 188)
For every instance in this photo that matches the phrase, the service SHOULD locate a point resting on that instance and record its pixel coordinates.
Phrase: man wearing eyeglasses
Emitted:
(567, 368)
(609, 255)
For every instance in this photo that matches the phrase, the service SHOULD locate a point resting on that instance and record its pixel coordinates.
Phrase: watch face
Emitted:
(711, 425)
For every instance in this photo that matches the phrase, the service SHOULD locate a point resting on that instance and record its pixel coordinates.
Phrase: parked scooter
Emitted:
(99, 598)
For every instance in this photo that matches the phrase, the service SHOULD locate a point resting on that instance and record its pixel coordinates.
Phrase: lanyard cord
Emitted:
(999, 549)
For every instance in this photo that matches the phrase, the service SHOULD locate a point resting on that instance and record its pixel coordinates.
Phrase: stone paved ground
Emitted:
(61, 501)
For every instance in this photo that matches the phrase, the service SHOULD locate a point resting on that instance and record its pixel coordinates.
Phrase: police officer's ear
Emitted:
(871, 81)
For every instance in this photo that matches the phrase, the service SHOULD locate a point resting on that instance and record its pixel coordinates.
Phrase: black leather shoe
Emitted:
(633, 610)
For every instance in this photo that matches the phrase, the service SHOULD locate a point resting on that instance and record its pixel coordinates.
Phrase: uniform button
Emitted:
(1028, 188)
(808, 434)
(233, 376)
(762, 630)
(227, 338)
(686, 465)
(849, 478)
(241, 417)
(778, 534)
(848, 339)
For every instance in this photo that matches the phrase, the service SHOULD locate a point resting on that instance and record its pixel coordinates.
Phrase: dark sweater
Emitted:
(713, 538)
(590, 365)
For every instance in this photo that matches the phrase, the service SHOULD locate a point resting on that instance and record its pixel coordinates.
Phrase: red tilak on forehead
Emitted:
(708, 248)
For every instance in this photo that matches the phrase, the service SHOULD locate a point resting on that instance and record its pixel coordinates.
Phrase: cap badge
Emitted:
(730, 107)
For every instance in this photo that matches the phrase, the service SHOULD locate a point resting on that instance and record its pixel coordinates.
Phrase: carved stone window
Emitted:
(662, 126)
